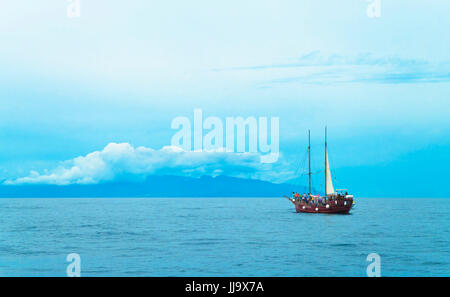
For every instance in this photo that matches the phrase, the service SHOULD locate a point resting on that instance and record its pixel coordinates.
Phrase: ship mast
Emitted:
(309, 161)
(326, 163)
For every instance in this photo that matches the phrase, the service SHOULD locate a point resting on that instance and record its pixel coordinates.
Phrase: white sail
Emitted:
(329, 187)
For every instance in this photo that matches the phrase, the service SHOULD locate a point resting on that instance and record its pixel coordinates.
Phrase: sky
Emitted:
(91, 98)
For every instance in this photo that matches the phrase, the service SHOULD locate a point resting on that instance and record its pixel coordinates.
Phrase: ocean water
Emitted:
(222, 237)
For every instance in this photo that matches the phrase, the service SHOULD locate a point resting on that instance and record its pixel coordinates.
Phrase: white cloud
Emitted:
(118, 161)
(317, 68)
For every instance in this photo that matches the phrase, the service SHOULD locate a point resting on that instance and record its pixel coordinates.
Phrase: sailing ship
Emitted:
(339, 201)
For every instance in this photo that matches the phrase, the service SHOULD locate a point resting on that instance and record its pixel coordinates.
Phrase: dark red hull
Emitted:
(339, 207)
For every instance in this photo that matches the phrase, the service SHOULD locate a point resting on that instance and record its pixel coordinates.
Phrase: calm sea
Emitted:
(222, 237)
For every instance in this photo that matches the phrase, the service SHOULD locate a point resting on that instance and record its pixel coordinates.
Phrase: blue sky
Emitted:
(122, 71)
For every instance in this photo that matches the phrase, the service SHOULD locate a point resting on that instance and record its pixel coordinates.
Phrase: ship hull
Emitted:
(332, 207)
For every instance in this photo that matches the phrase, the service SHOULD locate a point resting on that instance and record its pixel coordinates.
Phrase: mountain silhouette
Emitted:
(156, 186)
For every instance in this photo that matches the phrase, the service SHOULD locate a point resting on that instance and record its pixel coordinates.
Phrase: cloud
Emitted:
(121, 161)
(315, 68)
